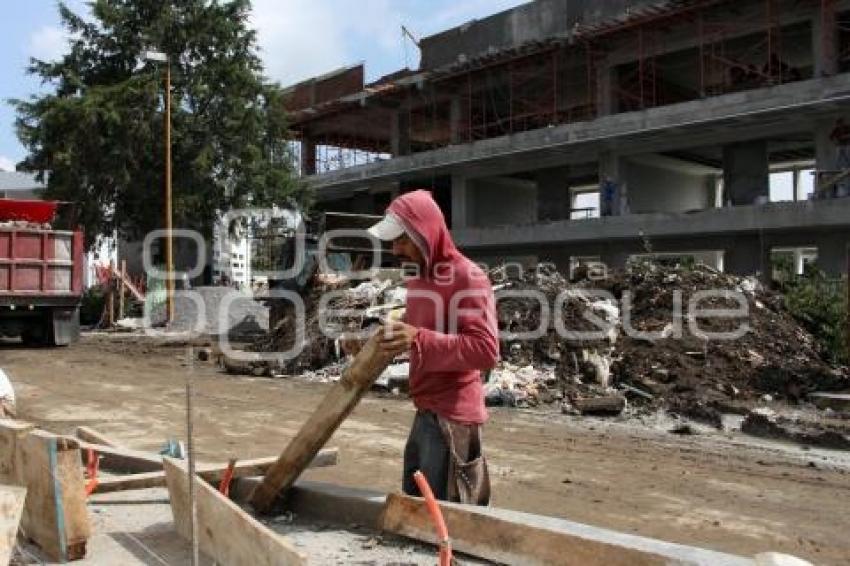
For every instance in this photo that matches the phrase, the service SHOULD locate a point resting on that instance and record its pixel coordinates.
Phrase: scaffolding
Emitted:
(657, 55)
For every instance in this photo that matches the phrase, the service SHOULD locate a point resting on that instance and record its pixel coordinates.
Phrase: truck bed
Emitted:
(39, 264)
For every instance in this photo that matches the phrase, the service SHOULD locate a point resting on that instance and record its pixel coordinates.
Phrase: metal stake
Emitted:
(193, 518)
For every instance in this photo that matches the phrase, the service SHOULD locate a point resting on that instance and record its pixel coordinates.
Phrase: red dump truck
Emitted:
(41, 274)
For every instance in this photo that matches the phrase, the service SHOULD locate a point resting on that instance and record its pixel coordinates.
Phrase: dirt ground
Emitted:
(725, 492)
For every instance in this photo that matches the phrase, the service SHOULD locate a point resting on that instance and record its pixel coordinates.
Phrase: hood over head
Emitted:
(424, 222)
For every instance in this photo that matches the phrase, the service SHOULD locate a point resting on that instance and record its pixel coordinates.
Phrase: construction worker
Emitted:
(450, 331)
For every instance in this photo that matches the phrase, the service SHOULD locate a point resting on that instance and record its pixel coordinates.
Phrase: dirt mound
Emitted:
(689, 340)
(650, 339)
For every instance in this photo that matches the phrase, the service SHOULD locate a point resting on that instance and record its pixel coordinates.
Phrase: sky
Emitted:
(297, 39)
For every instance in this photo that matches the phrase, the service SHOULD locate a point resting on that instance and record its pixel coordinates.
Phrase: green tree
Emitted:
(97, 137)
(820, 304)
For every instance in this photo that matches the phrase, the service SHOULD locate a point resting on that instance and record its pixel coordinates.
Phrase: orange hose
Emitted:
(437, 517)
(92, 464)
(226, 478)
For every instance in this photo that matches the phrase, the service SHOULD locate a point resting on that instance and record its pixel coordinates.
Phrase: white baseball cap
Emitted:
(387, 229)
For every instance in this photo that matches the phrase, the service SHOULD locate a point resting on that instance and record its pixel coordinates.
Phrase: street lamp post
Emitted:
(160, 57)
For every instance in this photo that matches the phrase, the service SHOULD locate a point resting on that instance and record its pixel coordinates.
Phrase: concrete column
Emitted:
(799, 264)
(308, 156)
(553, 193)
(825, 40)
(606, 82)
(832, 254)
(400, 133)
(462, 203)
(748, 257)
(455, 119)
(745, 172)
(826, 156)
(612, 184)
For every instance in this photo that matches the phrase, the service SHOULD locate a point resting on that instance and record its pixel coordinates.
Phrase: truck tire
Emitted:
(33, 337)
(63, 326)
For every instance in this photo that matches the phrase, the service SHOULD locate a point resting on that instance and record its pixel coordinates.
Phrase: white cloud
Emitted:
(300, 39)
(458, 13)
(48, 43)
(6, 163)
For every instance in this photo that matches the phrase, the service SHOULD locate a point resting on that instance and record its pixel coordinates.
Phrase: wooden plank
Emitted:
(227, 534)
(93, 436)
(11, 507)
(337, 404)
(483, 535)
(604, 405)
(55, 515)
(210, 472)
(126, 460)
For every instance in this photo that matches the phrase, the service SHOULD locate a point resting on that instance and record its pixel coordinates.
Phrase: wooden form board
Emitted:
(11, 507)
(226, 533)
(337, 404)
(88, 434)
(479, 534)
(55, 515)
(126, 460)
(210, 472)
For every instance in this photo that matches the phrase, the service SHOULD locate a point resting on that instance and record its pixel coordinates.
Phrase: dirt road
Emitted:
(727, 493)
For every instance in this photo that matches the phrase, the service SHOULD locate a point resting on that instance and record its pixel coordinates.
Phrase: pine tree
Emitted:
(97, 138)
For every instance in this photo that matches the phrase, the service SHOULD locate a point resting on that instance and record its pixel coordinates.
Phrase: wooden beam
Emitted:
(93, 436)
(55, 515)
(126, 460)
(11, 507)
(475, 532)
(228, 535)
(210, 472)
(337, 404)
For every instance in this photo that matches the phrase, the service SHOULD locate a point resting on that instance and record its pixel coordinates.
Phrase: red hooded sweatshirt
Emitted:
(450, 349)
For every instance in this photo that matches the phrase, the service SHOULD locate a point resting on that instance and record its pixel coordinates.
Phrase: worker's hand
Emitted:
(396, 337)
(350, 345)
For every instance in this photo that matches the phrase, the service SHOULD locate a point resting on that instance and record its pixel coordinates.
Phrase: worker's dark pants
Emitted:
(427, 451)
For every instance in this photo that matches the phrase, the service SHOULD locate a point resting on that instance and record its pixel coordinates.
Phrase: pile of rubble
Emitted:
(644, 345)
(345, 310)
(596, 343)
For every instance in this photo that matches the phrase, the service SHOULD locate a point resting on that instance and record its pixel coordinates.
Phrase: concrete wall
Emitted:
(529, 22)
(656, 189)
(500, 201)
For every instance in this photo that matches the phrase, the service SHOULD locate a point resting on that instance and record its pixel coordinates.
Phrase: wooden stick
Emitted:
(331, 412)
(122, 278)
(229, 534)
(210, 472)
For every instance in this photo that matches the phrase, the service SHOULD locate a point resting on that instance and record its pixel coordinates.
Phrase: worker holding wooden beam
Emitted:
(450, 330)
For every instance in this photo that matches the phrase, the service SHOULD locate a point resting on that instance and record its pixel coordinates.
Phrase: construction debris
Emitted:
(642, 342)
(634, 335)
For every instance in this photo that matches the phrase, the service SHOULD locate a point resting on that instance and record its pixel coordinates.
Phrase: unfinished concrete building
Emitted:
(576, 130)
